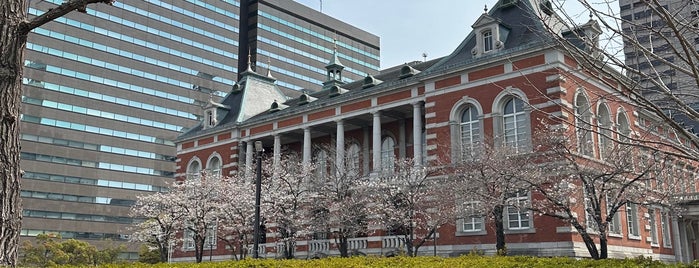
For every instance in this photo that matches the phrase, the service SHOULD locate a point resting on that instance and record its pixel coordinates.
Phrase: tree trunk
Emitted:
(500, 247)
(342, 245)
(589, 242)
(12, 44)
(198, 248)
(603, 245)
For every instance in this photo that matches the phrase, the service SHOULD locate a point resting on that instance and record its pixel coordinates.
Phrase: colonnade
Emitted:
(376, 139)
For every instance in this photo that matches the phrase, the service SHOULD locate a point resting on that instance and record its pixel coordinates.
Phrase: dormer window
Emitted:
(487, 41)
(490, 35)
(210, 118)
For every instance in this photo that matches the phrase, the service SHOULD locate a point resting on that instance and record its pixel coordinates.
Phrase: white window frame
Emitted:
(472, 217)
(665, 229)
(487, 37)
(188, 243)
(214, 171)
(388, 154)
(623, 126)
(352, 158)
(194, 169)
(653, 224)
(321, 160)
(516, 214)
(613, 227)
(470, 132)
(516, 135)
(583, 125)
(604, 127)
(632, 224)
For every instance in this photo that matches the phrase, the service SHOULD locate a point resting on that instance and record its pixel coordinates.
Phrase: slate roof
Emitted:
(525, 30)
(519, 19)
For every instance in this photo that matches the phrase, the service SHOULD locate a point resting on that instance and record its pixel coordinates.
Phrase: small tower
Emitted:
(334, 70)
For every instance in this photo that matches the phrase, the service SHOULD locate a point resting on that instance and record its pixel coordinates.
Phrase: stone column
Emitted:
(306, 146)
(340, 147)
(248, 158)
(376, 141)
(417, 133)
(277, 151)
(401, 139)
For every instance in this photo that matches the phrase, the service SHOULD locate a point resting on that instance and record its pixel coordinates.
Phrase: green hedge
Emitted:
(464, 261)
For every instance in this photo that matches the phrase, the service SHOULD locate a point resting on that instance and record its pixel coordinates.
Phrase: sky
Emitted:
(408, 28)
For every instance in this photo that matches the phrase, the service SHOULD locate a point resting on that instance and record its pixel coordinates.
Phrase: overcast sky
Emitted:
(408, 28)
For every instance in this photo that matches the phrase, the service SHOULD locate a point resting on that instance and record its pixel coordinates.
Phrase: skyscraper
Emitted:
(655, 47)
(106, 92)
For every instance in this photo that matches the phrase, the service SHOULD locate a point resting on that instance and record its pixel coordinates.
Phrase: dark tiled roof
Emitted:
(525, 30)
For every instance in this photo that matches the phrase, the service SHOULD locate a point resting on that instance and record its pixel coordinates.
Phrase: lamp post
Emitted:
(258, 189)
(211, 249)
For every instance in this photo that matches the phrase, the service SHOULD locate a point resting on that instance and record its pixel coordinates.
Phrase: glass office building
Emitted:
(106, 92)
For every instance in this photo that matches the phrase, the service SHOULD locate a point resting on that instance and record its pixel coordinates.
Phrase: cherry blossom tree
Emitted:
(488, 179)
(342, 202)
(235, 222)
(589, 193)
(287, 199)
(414, 200)
(15, 25)
(199, 202)
(162, 222)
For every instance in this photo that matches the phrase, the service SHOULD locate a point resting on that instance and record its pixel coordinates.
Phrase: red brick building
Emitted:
(504, 78)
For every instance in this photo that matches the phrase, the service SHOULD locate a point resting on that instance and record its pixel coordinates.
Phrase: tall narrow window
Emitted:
(632, 220)
(188, 243)
(515, 124)
(352, 160)
(614, 226)
(487, 41)
(193, 171)
(583, 127)
(604, 124)
(665, 229)
(653, 227)
(517, 213)
(624, 128)
(388, 156)
(470, 132)
(214, 168)
(321, 161)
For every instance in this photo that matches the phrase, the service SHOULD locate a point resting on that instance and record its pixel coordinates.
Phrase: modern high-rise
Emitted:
(107, 91)
(656, 49)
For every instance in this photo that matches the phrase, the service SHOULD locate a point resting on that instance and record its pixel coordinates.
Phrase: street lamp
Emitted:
(211, 249)
(258, 189)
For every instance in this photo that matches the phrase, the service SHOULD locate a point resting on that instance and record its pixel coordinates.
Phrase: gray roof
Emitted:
(519, 21)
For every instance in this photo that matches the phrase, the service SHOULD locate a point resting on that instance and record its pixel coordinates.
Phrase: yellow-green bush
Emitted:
(427, 262)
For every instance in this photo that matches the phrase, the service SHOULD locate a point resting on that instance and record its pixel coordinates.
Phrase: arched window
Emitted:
(583, 125)
(470, 132)
(515, 128)
(604, 126)
(487, 41)
(214, 167)
(194, 170)
(623, 126)
(388, 156)
(352, 157)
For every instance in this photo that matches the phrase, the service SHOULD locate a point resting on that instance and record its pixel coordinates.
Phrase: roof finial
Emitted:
(269, 68)
(249, 69)
(590, 14)
(485, 9)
